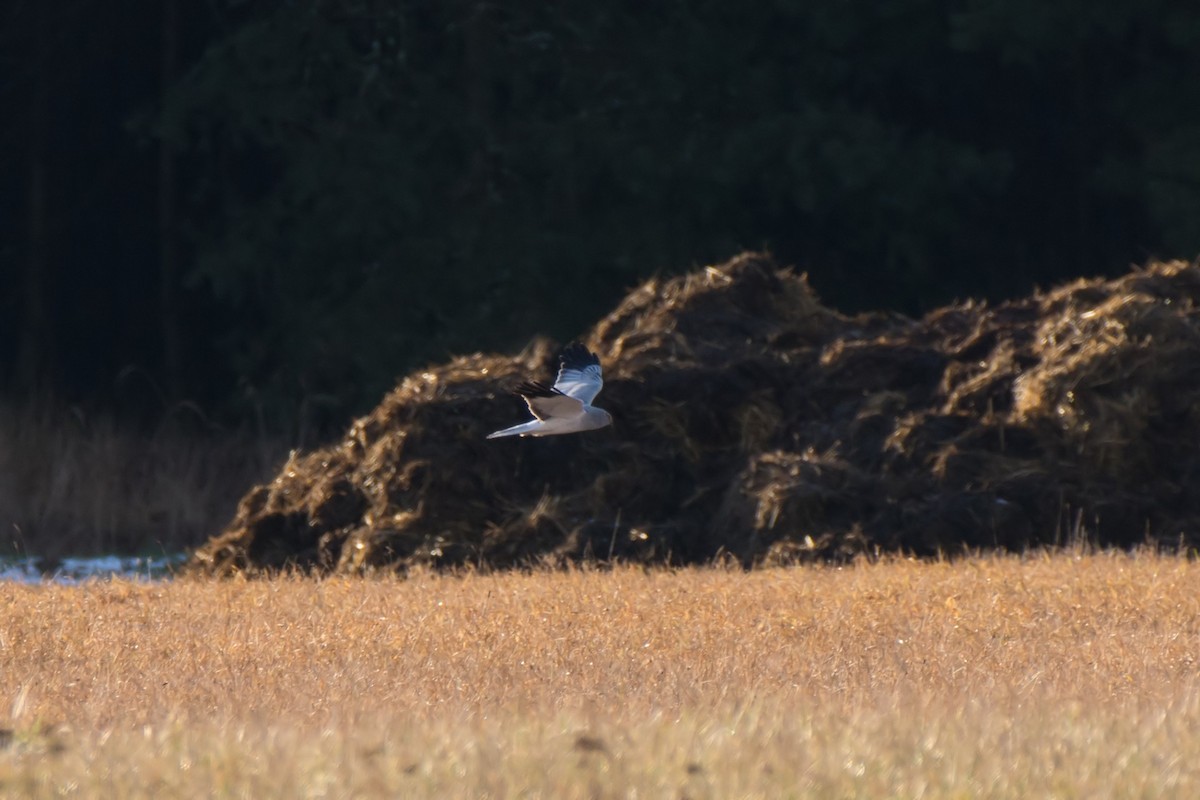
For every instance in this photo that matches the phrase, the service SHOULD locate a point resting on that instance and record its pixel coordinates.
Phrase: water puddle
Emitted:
(77, 570)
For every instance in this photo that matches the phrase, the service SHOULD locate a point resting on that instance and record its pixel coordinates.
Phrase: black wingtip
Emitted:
(576, 356)
(534, 389)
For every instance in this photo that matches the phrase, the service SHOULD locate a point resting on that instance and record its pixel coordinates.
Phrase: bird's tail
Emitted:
(515, 430)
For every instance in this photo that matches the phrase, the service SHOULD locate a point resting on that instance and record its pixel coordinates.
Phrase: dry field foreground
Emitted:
(1067, 675)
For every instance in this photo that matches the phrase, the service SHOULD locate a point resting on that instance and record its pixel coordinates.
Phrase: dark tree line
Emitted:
(91, 271)
(290, 203)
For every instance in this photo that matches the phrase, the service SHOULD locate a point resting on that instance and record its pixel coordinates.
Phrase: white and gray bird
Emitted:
(565, 407)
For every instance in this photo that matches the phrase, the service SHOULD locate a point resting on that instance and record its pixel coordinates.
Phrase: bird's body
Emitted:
(565, 407)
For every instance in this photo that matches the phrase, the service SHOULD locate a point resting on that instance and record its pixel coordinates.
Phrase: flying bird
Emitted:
(565, 407)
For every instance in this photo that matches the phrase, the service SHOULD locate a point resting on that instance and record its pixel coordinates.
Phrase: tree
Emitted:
(388, 183)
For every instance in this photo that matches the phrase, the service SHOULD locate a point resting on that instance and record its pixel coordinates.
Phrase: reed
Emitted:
(76, 484)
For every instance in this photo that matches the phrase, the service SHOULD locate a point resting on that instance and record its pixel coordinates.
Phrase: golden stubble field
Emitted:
(1069, 675)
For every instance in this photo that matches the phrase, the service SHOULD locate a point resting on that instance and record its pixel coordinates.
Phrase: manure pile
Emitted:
(752, 422)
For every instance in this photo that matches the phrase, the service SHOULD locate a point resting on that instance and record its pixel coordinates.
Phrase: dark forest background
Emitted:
(272, 209)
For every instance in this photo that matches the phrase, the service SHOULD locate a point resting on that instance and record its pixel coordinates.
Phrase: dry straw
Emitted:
(755, 422)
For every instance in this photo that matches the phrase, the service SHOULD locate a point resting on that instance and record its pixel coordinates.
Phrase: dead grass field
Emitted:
(1065, 675)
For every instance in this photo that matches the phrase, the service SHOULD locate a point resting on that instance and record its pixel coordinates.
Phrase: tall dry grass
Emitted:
(1071, 675)
(75, 484)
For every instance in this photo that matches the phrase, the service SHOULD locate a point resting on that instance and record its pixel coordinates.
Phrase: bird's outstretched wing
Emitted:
(579, 374)
(547, 402)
